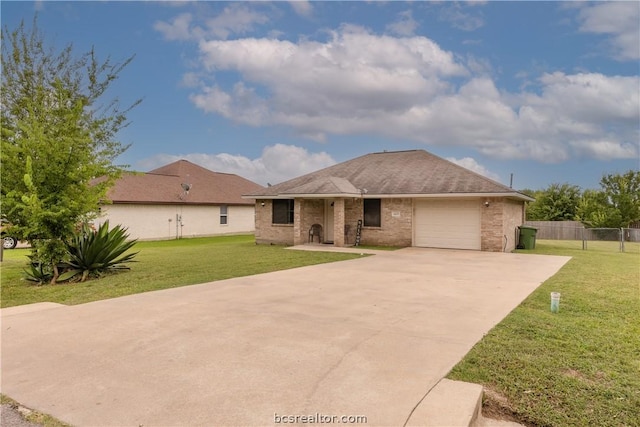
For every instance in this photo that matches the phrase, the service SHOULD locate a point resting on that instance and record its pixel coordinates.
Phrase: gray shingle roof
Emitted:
(326, 185)
(414, 172)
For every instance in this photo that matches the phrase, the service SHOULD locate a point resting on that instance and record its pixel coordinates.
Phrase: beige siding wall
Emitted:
(151, 222)
(499, 224)
(266, 232)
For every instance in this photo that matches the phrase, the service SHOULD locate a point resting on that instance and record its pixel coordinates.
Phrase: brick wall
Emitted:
(311, 211)
(266, 231)
(352, 213)
(499, 223)
(395, 225)
(501, 218)
(513, 217)
(338, 222)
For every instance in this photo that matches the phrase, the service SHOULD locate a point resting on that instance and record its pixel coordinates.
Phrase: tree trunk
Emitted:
(56, 273)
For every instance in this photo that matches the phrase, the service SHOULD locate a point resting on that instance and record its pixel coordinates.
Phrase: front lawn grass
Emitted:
(579, 367)
(162, 265)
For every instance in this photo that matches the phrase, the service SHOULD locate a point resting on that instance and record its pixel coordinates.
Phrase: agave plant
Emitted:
(98, 251)
(37, 272)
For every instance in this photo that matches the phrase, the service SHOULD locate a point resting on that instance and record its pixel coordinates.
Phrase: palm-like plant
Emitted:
(99, 251)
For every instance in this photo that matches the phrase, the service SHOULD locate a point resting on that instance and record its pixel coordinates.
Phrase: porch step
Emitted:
(449, 403)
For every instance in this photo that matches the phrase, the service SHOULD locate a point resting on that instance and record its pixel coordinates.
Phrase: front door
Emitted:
(328, 221)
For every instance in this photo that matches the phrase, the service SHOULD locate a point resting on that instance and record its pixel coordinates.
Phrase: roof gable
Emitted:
(165, 185)
(326, 185)
(414, 172)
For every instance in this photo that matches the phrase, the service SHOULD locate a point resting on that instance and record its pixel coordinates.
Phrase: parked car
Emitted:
(8, 241)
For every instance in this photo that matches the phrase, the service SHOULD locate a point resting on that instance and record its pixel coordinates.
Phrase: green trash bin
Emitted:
(527, 238)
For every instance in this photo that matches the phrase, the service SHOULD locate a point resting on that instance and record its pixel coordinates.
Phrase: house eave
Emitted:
(320, 196)
(177, 203)
(512, 195)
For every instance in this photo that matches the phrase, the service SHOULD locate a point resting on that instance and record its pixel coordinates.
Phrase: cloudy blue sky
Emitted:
(549, 91)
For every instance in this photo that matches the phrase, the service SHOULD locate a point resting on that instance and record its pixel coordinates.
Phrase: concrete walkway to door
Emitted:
(367, 337)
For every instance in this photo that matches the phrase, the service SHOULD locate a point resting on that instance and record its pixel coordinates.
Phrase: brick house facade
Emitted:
(499, 223)
(484, 217)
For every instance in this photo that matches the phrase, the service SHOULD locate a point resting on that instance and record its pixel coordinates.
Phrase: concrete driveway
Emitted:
(367, 337)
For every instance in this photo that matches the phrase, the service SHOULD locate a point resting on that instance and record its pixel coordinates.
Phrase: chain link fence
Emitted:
(608, 239)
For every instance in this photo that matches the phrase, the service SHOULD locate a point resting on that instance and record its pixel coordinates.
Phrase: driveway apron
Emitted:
(367, 337)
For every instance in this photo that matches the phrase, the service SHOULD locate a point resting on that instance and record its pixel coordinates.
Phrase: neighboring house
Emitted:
(404, 198)
(181, 199)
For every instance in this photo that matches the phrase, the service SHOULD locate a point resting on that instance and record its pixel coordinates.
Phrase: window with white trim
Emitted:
(224, 216)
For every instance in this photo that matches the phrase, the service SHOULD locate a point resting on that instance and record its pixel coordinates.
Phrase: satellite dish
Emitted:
(186, 187)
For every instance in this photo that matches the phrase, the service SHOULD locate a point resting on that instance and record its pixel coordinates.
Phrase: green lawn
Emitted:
(161, 265)
(579, 367)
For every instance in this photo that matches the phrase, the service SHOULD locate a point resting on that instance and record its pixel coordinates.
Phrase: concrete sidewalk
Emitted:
(367, 337)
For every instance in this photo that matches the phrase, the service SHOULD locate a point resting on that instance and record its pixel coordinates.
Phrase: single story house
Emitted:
(181, 199)
(402, 198)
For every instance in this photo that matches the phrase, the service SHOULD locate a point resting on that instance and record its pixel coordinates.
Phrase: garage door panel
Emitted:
(453, 224)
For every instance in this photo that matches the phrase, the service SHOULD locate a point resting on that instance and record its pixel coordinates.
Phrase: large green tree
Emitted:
(558, 202)
(594, 210)
(57, 137)
(615, 205)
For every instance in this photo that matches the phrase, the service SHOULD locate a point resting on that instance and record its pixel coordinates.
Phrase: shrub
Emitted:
(38, 271)
(95, 252)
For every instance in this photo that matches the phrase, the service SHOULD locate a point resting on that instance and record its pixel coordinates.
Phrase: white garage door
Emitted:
(453, 224)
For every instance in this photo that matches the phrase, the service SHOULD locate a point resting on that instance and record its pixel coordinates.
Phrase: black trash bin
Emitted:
(527, 238)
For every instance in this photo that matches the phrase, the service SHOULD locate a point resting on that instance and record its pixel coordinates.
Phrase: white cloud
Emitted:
(405, 25)
(359, 83)
(607, 149)
(237, 18)
(620, 20)
(302, 7)
(352, 77)
(473, 165)
(277, 163)
(190, 79)
(591, 97)
(177, 29)
(459, 17)
(242, 104)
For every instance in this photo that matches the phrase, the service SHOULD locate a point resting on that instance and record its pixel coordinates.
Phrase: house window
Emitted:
(223, 214)
(372, 212)
(283, 211)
